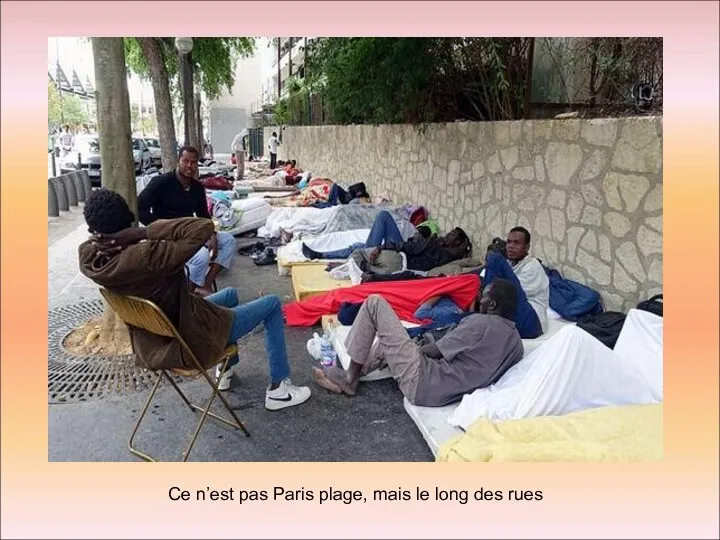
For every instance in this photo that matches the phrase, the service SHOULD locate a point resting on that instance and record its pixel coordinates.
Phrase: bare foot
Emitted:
(338, 376)
(321, 380)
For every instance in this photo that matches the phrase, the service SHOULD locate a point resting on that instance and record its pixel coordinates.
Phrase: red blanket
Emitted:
(404, 297)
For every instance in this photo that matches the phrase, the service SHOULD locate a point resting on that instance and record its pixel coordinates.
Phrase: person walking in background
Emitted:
(238, 148)
(272, 146)
(67, 140)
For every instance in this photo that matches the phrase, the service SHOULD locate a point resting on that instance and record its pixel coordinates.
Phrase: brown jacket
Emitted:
(155, 270)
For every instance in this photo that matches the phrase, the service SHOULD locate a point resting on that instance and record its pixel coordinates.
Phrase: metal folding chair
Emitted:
(144, 314)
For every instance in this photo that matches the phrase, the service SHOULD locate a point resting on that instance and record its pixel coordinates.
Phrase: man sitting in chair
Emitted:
(149, 262)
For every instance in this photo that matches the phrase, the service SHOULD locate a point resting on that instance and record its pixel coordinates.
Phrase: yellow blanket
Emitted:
(628, 433)
(312, 279)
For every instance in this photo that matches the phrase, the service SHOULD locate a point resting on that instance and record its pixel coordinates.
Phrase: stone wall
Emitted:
(589, 191)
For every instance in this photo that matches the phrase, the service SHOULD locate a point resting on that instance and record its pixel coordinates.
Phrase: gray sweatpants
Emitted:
(388, 262)
(394, 346)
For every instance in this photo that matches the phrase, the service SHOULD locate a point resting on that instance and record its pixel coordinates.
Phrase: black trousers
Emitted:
(273, 160)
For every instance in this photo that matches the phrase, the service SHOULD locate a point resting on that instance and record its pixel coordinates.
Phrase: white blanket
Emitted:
(292, 252)
(641, 343)
(573, 371)
(304, 221)
(307, 220)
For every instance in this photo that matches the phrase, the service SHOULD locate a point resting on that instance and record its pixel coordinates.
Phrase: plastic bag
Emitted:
(350, 270)
(314, 346)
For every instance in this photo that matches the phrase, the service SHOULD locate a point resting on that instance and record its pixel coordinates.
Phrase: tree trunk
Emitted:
(594, 51)
(186, 86)
(114, 133)
(113, 114)
(528, 79)
(152, 49)
(198, 122)
(279, 71)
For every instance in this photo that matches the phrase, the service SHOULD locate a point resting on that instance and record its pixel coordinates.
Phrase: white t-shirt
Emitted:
(536, 285)
(273, 144)
(238, 140)
(67, 140)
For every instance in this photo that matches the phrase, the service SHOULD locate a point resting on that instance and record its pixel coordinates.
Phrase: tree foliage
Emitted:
(418, 80)
(214, 59)
(54, 106)
(373, 80)
(301, 104)
(391, 80)
(65, 109)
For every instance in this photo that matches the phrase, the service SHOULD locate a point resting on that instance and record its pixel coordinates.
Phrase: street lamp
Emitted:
(184, 45)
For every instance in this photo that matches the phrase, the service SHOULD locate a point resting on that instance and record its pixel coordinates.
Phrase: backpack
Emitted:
(606, 326)
(572, 300)
(654, 305)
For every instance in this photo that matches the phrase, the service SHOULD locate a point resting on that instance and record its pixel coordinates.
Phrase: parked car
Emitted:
(155, 154)
(87, 150)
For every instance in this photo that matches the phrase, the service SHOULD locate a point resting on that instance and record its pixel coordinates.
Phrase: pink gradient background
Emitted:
(676, 497)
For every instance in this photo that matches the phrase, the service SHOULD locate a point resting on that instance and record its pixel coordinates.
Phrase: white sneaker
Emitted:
(286, 395)
(224, 378)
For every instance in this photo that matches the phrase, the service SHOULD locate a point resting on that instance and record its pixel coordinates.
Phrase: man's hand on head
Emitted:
(110, 244)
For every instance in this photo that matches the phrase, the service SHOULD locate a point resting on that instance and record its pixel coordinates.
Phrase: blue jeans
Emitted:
(199, 263)
(384, 230)
(266, 310)
(525, 318)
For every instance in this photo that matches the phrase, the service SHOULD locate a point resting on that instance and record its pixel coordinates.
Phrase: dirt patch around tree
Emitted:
(85, 341)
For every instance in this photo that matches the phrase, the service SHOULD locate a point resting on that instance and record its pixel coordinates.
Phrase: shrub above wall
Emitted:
(589, 191)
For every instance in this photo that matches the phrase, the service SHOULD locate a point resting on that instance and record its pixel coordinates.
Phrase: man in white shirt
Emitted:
(272, 146)
(67, 141)
(529, 276)
(238, 148)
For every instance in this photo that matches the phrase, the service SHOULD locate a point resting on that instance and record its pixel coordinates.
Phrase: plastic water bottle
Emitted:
(327, 353)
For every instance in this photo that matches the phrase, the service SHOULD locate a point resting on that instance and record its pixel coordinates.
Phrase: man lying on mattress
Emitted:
(532, 287)
(382, 252)
(529, 278)
(473, 355)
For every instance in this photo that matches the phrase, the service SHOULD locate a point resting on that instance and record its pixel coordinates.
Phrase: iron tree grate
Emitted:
(82, 378)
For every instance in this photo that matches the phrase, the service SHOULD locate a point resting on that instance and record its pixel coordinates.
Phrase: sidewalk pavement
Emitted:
(373, 426)
(66, 285)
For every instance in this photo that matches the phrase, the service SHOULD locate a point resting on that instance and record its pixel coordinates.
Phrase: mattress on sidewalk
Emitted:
(291, 254)
(254, 214)
(433, 421)
(312, 280)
